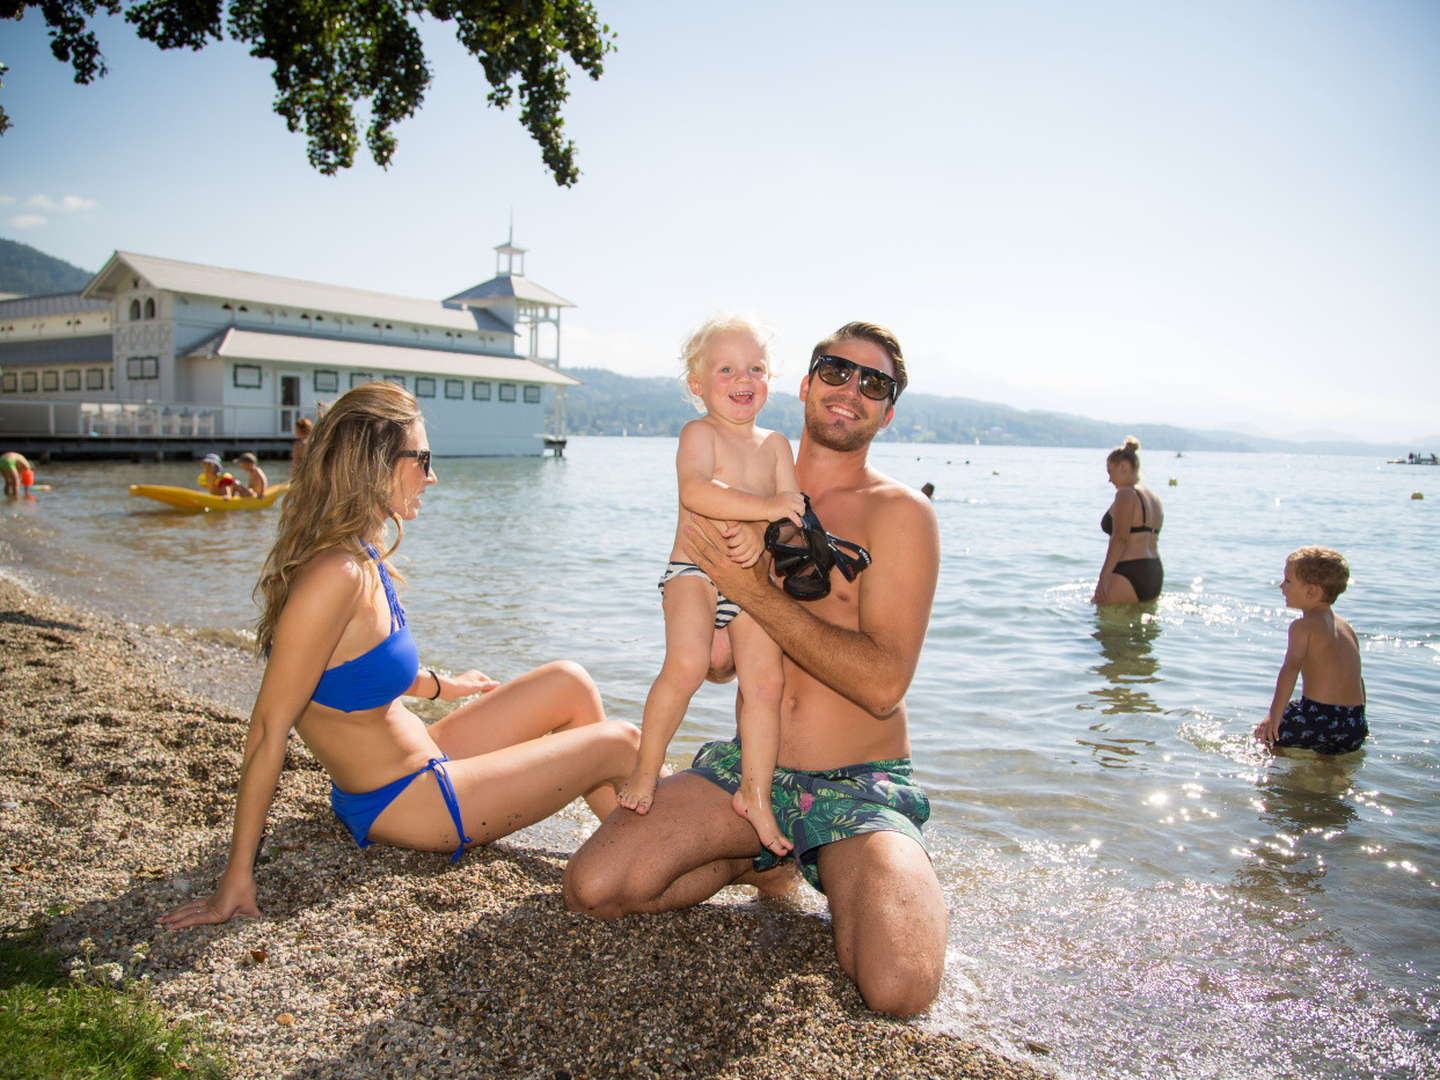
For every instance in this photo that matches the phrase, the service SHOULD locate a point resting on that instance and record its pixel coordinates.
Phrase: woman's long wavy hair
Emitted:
(340, 492)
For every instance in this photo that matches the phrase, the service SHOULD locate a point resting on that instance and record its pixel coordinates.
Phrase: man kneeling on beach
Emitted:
(842, 792)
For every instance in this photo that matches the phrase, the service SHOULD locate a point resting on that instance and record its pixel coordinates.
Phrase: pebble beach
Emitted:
(116, 788)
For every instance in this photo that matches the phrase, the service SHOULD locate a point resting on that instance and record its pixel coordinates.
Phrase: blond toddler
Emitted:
(729, 470)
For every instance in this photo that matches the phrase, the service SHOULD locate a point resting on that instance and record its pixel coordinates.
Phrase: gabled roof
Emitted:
(197, 279)
(509, 287)
(379, 359)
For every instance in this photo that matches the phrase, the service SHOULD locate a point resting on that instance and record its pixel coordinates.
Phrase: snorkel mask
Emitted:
(805, 555)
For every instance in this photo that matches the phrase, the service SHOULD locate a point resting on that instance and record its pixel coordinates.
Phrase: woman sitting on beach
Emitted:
(340, 656)
(1132, 572)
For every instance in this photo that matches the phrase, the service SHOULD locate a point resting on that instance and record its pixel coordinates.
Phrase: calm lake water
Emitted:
(1135, 888)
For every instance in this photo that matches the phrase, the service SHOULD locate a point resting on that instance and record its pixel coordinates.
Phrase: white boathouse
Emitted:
(179, 354)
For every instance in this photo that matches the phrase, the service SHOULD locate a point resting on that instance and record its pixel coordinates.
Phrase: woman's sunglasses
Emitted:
(874, 384)
(421, 456)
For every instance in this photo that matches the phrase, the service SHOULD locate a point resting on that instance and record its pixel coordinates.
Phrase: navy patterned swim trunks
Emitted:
(818, 808)
(1326, 729)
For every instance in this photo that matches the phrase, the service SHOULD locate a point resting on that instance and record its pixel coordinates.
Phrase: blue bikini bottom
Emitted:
(358, 812)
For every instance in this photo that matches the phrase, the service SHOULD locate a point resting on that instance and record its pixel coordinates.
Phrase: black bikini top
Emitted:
(1107, 523)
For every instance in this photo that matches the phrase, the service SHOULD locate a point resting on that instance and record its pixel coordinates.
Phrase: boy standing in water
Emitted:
(1329, 718)
(19, 474)
(728, 470)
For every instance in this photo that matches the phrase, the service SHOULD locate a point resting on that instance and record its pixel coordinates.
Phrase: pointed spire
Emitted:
(509, 259)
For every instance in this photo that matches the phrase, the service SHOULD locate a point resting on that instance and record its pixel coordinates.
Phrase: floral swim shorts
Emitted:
(818, 808)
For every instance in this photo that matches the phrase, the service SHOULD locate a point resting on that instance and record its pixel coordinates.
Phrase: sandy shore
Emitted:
(116, 785)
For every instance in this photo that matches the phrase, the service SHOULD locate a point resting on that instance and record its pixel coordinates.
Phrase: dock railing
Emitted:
(148, 420)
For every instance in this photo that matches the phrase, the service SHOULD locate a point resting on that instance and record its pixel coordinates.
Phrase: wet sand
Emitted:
(116, 788)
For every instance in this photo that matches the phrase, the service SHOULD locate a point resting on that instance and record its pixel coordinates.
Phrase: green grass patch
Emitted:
(53, 1026)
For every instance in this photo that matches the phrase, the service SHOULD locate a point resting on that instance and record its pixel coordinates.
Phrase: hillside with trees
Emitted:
(612, 404)
(26, 271)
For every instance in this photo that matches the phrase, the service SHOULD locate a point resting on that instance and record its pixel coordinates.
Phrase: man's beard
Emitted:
(833, 437)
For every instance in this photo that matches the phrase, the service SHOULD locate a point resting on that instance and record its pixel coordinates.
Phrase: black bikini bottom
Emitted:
(1146, 575)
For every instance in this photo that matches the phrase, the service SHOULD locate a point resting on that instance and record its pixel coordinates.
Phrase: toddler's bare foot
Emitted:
(638, 791)
(756, 810)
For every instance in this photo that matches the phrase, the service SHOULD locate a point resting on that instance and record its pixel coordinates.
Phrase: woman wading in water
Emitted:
(1132, 572)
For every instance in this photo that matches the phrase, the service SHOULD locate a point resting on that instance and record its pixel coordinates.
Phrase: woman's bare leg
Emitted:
(1118, 590)
(762, 682)
(560, 696)
(509, 788)
(689, 626)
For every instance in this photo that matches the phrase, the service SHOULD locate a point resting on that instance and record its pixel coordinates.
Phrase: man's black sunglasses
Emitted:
(422, 456)
(874, 384)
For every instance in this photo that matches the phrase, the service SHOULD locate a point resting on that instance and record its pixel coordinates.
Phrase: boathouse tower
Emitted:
(532, 310)
(527, 306)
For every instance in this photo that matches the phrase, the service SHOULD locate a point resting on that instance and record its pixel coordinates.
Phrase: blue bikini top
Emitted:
(379, 676)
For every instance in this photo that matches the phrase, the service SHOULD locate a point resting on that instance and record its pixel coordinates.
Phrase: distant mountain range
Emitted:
(612, 404)
(26, 271)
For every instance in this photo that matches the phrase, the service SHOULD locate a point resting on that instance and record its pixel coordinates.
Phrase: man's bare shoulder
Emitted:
(892, 505)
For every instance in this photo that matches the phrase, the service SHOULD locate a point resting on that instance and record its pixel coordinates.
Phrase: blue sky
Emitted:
(1217, 215)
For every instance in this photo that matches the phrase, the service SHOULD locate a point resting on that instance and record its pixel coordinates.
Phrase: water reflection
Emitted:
(1304, 804)
(1126, 636)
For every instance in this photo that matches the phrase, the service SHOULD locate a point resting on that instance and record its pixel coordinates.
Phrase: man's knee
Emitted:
(904, 986)
(890, 922)
(591, 889)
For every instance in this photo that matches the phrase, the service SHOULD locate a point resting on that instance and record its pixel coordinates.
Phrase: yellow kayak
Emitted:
(191, 499)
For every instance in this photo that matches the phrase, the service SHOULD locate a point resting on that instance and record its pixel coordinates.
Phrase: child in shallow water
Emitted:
(1329, 718)
(258, 481)
(733, 471)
